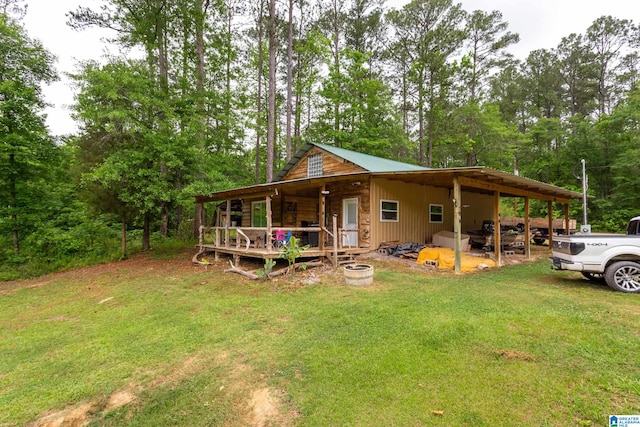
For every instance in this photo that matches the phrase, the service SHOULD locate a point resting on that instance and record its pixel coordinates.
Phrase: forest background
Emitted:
(214, 94)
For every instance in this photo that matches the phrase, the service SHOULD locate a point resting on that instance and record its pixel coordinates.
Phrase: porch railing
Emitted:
(244, 238)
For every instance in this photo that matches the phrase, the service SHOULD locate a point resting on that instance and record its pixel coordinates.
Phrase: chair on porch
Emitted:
(281, 239)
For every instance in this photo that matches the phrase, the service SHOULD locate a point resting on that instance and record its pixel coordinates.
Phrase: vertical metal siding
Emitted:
(413, 201)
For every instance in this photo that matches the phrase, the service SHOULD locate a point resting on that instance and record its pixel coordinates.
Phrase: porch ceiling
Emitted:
(303, 186)
(472, 179)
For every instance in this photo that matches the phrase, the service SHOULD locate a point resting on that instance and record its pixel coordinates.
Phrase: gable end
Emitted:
(331, 165)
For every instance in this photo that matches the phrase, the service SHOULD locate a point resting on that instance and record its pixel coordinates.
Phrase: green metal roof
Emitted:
(368, 162)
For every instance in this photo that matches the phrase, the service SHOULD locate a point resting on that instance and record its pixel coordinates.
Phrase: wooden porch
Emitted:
(267, 242)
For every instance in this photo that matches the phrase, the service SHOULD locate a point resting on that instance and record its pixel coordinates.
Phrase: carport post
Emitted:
(527, 229)
(497, 238)
(550, 222)
(457, 225)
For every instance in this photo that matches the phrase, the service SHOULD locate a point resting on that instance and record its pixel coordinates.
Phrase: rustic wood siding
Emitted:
(347, 190)
(276, 211)
(286, 210)
(414, 201)
(306, 209)
(331, 165)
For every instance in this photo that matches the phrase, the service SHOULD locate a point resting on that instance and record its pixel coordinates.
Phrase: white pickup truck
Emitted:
(612, 257)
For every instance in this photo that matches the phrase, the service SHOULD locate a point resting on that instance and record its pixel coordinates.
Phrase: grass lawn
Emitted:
(155, 341)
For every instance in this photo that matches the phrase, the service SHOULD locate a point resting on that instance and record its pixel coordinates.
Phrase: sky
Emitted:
(540, 23)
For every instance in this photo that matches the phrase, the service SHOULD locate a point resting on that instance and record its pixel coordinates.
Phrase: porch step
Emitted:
(345, 258)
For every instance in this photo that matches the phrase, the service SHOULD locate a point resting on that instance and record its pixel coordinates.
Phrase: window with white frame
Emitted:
(389, 210)
(436, 214)
(259, 214)
(314, 165)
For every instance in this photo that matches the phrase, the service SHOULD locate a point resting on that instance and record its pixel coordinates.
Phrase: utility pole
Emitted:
(586, 228)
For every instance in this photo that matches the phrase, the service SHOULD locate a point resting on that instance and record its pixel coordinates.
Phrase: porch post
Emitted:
(567, 226)
(457, 224)
(227, 240)
(550, 220)
(334, 230)
(321, 213)
(497, 238)
(527, 229)
(269, 224)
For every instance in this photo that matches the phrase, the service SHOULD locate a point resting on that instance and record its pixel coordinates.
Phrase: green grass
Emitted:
(519, 346)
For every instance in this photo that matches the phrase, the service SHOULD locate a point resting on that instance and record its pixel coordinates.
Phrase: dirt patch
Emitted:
(119, 399)
(264, 407)
(257, 404)
(138, 265)
(75, 417)
(515, 355)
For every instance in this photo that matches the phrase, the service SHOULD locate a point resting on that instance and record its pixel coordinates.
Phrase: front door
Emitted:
(350, 222)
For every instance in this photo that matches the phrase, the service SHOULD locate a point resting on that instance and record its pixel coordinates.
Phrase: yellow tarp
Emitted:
(446, 259)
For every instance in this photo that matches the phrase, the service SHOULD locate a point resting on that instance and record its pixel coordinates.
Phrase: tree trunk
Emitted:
(200, 72)
(123, 236)
(336, 64)
(271, 116)
(164, 225)
(289, 78)
(259, 95)
(198, 219)
(13, 202)
(146, 234)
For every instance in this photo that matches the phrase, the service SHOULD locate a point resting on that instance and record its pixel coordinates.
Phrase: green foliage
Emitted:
(266, 270)
(26, 151)
(292, 251)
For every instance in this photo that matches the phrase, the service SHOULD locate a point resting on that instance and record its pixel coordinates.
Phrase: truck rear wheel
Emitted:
(623, 276)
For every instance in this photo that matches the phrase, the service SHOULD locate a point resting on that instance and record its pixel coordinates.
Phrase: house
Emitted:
(342, 202)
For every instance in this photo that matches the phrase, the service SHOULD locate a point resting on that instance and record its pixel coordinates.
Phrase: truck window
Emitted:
(632, 228)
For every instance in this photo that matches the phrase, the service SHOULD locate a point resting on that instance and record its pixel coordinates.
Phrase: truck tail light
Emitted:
(568, 248)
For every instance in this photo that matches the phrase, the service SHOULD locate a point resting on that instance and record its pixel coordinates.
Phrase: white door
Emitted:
(350, 222)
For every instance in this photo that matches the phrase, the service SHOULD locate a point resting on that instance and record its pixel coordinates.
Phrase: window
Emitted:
(259, 214)
(436, 213)
(314, 165)
(388, 211)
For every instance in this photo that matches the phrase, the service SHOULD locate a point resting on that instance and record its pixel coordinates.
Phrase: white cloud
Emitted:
(540, 23)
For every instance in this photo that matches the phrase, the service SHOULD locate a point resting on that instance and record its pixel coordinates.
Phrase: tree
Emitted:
(432, 32)
(131, 157)
(13, 7)
(368, 121)
(623, 128)
(607, 37)
(272, 38)
(25, 147)
(487, 39)
(579, 73)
